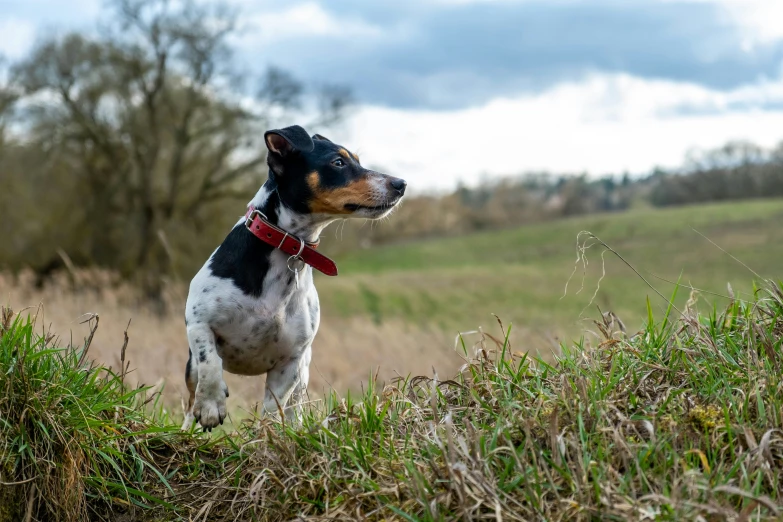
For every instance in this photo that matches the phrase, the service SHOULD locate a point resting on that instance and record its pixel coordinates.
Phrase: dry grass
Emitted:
(347, 350)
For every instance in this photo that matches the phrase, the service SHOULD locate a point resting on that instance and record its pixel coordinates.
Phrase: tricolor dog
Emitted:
(253, 308)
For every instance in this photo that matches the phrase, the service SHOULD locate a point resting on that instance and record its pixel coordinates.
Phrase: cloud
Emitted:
(18, 36)
(451, 54)
(603, 124)
(308, 20)
(759, 18)
(22, 22)
(447, 54)
(47, 13)
(451, 89)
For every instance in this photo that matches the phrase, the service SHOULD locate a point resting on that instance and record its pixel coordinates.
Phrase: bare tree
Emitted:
(153, 125)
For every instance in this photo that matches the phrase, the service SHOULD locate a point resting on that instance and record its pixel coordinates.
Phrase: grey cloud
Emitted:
(441, 56)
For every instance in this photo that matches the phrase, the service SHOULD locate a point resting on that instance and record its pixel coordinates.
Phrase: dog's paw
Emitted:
(209, 409)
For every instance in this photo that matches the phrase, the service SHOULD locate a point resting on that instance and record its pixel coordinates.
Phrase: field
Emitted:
(520, 274)
(396, 310)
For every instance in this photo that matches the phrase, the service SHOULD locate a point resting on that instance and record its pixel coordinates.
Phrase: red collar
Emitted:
(258, 224)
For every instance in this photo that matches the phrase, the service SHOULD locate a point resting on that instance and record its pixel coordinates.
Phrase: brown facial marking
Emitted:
(333, 201)
(348, 155)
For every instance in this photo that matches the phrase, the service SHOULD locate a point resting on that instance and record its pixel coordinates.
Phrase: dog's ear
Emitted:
(288, 140)
(321, 138)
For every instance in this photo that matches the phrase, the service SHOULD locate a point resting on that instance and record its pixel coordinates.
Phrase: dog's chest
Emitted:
(254, 334)
(251, 344)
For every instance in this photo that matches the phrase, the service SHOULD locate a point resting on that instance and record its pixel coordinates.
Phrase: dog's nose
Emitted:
(398, 185)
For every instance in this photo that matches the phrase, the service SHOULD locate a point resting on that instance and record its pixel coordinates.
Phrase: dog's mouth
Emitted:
(371, 208)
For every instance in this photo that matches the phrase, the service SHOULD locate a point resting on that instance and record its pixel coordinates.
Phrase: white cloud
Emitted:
(18, 36)
(605, 124)
(307, 19)
(761, 19)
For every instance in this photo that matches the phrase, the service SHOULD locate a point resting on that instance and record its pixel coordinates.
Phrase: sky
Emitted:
(452, 91)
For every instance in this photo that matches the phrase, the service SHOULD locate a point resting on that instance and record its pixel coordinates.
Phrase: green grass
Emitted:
(680, 420)
(75, 443)
(520, 274)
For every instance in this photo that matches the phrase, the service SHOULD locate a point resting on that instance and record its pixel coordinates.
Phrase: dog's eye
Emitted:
(338, 163)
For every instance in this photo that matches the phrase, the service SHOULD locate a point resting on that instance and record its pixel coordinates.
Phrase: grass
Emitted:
(520, 274)
(680, 419)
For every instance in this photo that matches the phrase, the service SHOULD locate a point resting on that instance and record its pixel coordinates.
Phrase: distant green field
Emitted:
(520, 274)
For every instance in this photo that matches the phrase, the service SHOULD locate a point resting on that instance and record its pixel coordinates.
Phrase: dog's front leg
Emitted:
(287, 382)
(209, 406)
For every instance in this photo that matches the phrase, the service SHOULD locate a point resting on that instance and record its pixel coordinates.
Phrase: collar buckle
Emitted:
(251, 216)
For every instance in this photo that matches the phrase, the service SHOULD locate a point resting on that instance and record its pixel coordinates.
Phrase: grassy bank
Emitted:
(676, 420)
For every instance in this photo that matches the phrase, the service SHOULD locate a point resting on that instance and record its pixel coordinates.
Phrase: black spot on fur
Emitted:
(314, 311)
(291, 306)
(301, 339)
(274, 332)
(205, 291)
(202, 356)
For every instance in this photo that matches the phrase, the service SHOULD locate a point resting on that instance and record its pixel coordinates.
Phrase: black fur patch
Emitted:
(243, 258)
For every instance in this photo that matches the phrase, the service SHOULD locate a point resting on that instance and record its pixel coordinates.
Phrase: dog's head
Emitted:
(315, 176)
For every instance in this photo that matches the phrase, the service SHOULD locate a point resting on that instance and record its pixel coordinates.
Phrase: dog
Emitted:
(253, 309)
